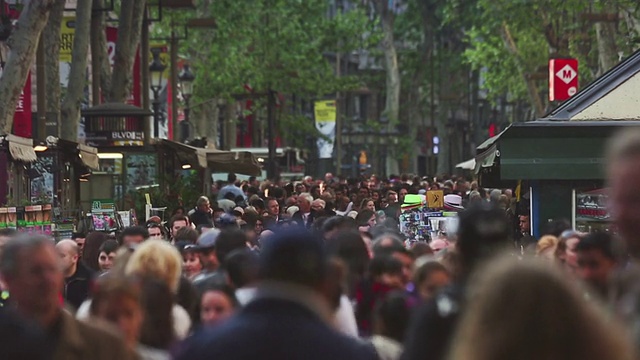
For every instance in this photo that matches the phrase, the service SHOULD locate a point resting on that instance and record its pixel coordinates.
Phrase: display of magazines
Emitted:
(33, 219)
(104, 216)
(419, 222)
(591, 212)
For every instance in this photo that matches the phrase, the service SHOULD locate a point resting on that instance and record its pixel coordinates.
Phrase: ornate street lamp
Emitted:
(156, 71)
(186, 79)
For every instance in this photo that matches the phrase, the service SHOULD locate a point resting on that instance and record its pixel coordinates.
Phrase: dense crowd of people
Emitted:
(318, 269)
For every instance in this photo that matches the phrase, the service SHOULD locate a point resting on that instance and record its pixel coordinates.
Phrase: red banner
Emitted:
(112, 37)
(563, 79)
(22, 122)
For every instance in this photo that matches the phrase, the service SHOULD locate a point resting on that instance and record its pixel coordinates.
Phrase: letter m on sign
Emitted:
(563, 79)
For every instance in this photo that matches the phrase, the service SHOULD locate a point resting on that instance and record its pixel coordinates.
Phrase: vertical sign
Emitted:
(563, 79)
(325, 114)
(22, 122)
(112, 37)
(67, 32)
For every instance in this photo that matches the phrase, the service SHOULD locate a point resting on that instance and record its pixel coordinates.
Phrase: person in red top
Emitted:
(385, 275)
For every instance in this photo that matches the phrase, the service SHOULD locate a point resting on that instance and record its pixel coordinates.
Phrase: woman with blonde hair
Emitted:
(546, 247)
(162, 261)
(528, 310)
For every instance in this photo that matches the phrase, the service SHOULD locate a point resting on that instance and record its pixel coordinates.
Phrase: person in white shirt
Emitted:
(242, 271)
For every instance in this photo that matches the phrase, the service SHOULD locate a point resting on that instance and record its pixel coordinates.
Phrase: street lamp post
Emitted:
(156, 71)
(186, 79)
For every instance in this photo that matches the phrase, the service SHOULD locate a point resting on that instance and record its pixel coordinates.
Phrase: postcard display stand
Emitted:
(419, 222)
(105, 217)
(33, 219)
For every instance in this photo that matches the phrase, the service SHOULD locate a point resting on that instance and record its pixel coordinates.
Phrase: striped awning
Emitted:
(21, 149)
(89, 156)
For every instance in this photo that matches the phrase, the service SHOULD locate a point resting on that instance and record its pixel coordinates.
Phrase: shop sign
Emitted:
(591, 206)
(115, 138)
(563, 79)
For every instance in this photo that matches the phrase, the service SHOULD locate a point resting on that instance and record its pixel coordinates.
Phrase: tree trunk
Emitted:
(392, 104)
(607, 49)
(51, 41)
(210, 114)
(131, 15)
(101, 68)
(23, 43)
(632, 21)
(70, 110)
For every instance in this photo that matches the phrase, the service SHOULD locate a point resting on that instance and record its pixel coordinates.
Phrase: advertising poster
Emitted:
(22, 121)
(67, 33)
(140, 171)
(591, 212)
(42, 179)
(325, 116)
(591, 206)
(112, 37)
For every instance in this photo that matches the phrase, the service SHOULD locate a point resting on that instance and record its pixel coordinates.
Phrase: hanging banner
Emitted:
(135, 95)
(563, 79)
(160, 127)
(325, 116)
(67, 32)
(22, 122)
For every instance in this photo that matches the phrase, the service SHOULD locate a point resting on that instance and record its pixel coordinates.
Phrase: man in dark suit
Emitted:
(306, 214)
(290, 315)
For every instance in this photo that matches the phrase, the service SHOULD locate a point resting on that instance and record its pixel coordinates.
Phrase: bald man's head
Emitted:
(69, 253)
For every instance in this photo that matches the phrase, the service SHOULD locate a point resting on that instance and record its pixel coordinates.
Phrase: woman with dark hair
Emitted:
(366, 219)
(375, 196)
(178, 211)
(217, 303)
(91, 252)
(349, 248)
(367, 204)
(157, 328)
(391, 320)
(140, 308)
(107, 255)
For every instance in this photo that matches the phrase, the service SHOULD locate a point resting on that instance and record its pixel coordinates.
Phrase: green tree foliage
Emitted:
(283, 45)
(540, 29)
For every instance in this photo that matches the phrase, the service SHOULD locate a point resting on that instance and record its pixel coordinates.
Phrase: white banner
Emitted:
(325, 115)
(325, 148)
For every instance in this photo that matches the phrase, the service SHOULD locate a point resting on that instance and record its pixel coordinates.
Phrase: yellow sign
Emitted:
(325, 111)
(163, 54)
(148, 198)
(67, 31)
(362, 160)
(435, 199)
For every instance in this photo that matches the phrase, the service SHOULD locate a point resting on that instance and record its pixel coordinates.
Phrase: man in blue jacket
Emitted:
(289, 318)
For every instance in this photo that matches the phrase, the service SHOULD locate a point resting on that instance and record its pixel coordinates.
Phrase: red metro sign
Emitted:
(563, 79)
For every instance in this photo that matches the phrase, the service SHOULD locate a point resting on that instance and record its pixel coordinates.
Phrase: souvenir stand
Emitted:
(590, 211)
(423, 219)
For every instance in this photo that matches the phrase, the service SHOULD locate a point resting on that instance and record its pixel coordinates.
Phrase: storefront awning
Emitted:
(550, 150)
(487, 152)
(21, 149)
(89, 156)
(467, 165)
(240, 162)
(187, 155)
